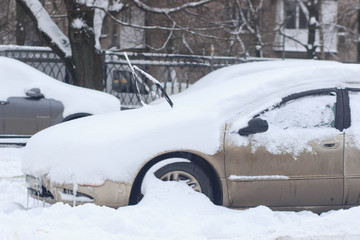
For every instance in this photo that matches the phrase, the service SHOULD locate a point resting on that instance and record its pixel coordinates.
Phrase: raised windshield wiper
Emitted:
(157, 84)
(148, 76)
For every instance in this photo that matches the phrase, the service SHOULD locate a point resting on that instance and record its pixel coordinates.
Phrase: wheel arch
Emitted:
(76, 116)
(200, 161)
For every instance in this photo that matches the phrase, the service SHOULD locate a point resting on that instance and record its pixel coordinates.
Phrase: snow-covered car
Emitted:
(285, 134)
(31, 101)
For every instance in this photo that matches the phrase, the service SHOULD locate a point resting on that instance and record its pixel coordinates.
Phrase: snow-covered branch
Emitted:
(186, 44)
(145, 7)
(47, 26)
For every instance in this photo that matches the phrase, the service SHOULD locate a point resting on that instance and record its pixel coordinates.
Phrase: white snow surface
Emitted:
(16, 77)
(78, 23)
(114, 146)
(312, 21)
(169, 210)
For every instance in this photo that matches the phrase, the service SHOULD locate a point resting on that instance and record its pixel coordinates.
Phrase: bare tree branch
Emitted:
(165, 43)
(279, 29)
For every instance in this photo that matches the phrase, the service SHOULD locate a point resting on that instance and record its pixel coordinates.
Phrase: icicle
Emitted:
(75, 188)
(52, 189)
(27, 200)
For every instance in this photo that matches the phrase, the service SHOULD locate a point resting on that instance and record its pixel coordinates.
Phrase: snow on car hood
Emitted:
(16, 77)
(114, 146)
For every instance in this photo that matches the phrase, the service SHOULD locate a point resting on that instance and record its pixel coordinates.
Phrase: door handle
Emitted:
(3, 102)
(328, 145)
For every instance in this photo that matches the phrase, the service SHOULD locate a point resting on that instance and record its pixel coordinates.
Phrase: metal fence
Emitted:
(174, 72)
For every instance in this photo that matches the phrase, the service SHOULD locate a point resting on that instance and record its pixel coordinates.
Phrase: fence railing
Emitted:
(175, 72)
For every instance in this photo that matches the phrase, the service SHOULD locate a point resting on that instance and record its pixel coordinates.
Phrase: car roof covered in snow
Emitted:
(16, 77)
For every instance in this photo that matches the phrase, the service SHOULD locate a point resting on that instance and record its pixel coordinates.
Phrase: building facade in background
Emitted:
(269, 28)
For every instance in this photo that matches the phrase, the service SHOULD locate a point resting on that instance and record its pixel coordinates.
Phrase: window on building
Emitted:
(129, 37)
(293, 15)
(296, 15)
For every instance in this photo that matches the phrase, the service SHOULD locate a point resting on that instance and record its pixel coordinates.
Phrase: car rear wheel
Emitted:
(187, 172)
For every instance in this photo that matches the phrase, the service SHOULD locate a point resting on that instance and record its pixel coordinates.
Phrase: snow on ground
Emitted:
(169, 210)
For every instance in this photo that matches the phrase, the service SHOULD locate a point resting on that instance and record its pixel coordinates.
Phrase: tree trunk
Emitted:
(321, 33)
(358, 29)
(257, 28)
(258, 40)
(312, 25)
(20, 32)
(88, 61)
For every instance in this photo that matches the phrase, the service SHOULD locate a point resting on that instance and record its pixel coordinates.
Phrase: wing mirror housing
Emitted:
(255, 125)
(34, 93)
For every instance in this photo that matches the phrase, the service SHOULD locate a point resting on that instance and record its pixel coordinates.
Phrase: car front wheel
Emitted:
(189, 173)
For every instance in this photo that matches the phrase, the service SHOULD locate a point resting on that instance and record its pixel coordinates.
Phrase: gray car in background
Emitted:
(30, 114)
(31, 101)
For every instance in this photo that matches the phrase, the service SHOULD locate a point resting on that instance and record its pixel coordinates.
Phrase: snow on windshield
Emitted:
(295, 124)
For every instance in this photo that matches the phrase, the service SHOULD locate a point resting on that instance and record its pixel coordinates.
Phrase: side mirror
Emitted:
(255, 125)
(34, 93)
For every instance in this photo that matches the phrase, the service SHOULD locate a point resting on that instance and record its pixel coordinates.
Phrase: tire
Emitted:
(189, 172)
(75, 116)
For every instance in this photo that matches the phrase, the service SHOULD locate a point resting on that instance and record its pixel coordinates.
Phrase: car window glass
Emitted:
(355, 107)
(354, 130)
(295, 126)
(305, 112)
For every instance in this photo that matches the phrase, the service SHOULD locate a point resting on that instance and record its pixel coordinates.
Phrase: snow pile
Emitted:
(115, 146)
(17, 77)
(112, 146)
(169, 210)
(10, 166)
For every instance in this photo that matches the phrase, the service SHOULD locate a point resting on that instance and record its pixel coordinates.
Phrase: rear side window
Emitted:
(354, 131)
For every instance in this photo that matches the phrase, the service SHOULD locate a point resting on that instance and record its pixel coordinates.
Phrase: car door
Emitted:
(298, 161)
(24, 115)
(352, 149)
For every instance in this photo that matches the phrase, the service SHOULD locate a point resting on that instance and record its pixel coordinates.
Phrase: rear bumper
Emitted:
(111, 194)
